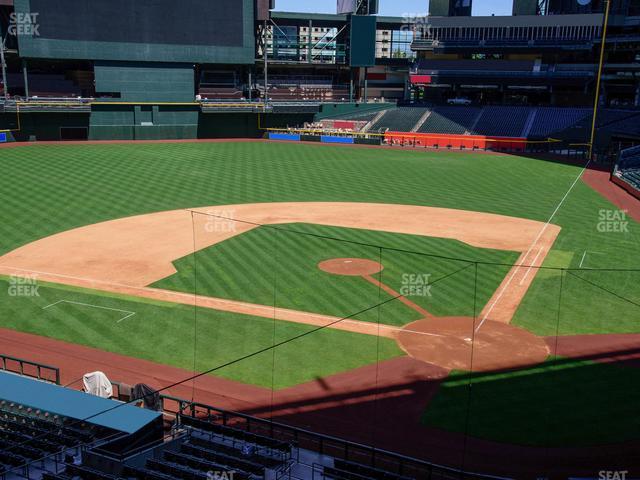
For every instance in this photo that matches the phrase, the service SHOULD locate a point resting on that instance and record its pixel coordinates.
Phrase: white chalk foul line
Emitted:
(584, 255)
(535, 259)
(533, 245)
(129, 314)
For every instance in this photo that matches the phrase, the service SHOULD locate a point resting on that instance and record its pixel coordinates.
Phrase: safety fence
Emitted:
(30, 369)
(417, 140)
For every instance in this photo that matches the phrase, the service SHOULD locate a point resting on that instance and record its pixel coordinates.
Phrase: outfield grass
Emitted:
(558, 404)
(280, 263)
(49, 189)
(164, 333)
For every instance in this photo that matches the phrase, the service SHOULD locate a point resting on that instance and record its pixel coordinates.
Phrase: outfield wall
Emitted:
(41, 126)
(145, 122)
(469, 142)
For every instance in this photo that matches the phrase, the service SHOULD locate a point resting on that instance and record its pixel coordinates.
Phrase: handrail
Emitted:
(39, 368)
(320, 441)
(403, 135)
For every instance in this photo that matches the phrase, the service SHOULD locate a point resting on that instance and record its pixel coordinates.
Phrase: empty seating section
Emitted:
(237, 434)
(608, 116)
(206, 449)
(432, 66)
(613, 120)
(502, 121)
(219, 85)
(549, 119)
(210, 447)
(345, 470)
(401, 119)
(44, 85)
(497, 121)
(632, 176)
(326, 93)
(72, 471)
(628, 167)
(630, 126)
(359, 116)
(456, 120)
(303, 88)
(27, 435)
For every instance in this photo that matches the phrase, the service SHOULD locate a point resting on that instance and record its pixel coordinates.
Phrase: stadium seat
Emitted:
(455, 120)
(401, 119)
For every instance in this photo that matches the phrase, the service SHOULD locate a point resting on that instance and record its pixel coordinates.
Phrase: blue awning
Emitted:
(74, 404)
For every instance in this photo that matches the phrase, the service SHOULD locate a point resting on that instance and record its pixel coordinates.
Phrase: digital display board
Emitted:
(187, 22)
(363, 41)
(193, 31)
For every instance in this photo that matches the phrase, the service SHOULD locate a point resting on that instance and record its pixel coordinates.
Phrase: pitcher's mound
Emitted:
(447, 342)
(350, 266)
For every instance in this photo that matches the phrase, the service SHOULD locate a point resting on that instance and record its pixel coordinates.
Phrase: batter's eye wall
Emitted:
(157, 30)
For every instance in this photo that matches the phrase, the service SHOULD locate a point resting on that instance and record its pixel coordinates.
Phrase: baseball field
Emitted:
(431, 302)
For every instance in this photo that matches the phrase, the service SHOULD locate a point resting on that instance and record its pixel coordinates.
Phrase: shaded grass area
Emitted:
(164, 333)
(48, 189)
(280, 264)
(557, 404)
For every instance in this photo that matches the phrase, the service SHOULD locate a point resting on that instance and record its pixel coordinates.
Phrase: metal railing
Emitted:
(30, 369)
(319, 443)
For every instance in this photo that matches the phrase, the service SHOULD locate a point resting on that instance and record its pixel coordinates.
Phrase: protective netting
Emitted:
(372, 337)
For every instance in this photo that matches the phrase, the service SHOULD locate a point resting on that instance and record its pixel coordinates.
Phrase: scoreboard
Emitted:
(215, 31)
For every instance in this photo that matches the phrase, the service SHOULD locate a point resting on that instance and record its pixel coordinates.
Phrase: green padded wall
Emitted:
(115, 122)
(143, 122)
(146, 82)
(42, 126)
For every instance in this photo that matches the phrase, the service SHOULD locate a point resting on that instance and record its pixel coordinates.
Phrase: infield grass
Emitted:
(280, 264)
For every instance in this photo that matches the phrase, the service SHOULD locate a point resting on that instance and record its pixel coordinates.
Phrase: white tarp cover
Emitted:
(97, 383)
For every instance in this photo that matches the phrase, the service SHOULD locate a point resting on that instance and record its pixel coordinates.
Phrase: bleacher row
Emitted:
(430, 66)
(628, 167)
(187, 441)
(490, 121)
(46, 85)
(321, 93)
(207, 449)
(27, 435)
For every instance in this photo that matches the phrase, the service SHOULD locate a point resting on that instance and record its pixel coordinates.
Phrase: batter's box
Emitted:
(124, 313)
